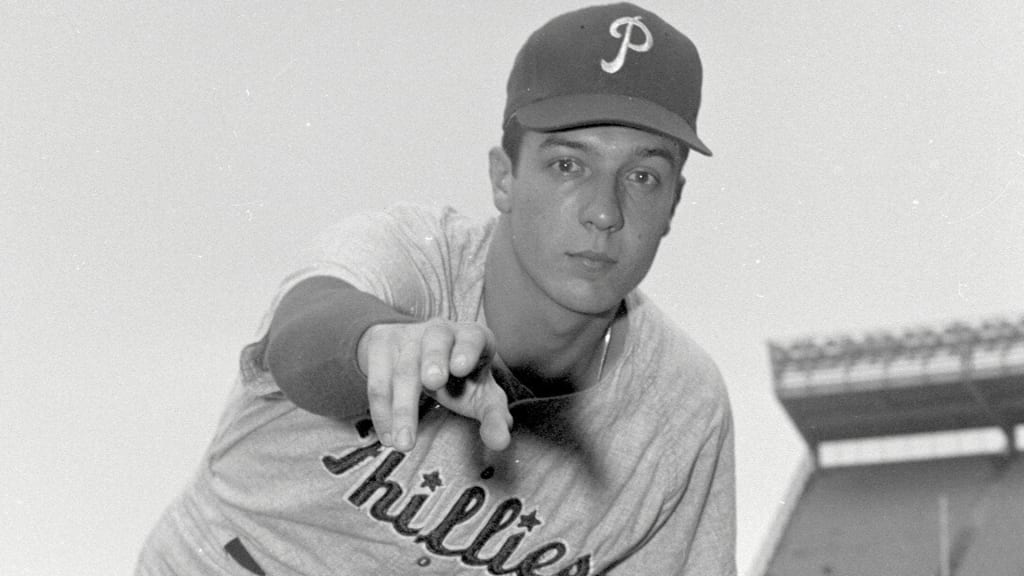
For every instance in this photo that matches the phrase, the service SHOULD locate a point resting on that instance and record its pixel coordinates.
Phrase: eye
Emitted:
(567, 166)
(644, 178)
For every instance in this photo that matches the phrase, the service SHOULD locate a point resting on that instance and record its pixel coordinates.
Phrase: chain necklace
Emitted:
(604, 350)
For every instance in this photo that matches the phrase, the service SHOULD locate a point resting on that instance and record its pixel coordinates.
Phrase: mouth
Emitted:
(593, 260)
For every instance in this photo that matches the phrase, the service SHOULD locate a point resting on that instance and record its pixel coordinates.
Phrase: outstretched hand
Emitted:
(450, 361)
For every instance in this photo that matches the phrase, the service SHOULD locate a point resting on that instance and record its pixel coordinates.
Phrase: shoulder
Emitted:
(676, 364)
(421, 259)
(438, 217)
(408, 223)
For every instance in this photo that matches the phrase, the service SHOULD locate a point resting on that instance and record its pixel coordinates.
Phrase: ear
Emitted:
(675, 202)
(501, 179)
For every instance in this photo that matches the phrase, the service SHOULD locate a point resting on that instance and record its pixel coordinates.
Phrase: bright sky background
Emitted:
(163, 165)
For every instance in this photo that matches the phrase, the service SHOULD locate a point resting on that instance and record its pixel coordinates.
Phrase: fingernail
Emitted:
(433, 371)
(460, 361)
(404, 439)
(385, 438)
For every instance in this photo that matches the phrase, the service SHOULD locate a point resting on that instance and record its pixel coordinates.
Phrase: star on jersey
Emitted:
(432, 480)
(529, 521)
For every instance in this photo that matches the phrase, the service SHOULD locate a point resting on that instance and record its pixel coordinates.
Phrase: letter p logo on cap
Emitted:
(629, 22)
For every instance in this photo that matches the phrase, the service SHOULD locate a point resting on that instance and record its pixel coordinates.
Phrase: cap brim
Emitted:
(566, 112)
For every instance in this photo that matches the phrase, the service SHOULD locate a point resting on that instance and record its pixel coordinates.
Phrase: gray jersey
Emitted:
(632, 475)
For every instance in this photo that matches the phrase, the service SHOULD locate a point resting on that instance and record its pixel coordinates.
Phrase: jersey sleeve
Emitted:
(396, 255)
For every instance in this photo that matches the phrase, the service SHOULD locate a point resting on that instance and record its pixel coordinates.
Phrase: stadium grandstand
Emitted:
(914, 441)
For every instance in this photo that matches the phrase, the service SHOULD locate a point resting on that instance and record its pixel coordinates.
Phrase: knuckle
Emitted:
(408, 369)
(437, 334)
(437, 323)
(380, 334)
(402, 414)
(436, 326)
(377, 394)
(472, 334)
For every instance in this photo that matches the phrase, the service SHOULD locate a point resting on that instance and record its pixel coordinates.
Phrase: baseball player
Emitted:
(437, 395)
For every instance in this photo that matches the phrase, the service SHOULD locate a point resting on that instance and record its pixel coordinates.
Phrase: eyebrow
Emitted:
(659, 152)
(558, 141)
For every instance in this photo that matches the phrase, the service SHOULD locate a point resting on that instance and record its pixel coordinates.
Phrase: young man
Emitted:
(437, 396)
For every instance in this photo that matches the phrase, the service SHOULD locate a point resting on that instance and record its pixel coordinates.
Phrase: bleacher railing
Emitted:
(916, 356)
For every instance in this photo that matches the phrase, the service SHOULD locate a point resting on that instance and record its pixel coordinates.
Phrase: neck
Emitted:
(544, 343)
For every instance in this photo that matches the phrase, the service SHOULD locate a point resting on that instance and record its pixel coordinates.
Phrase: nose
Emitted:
(600, 208)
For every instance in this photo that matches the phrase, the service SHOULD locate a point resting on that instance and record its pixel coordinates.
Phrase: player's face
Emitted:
(587, 210)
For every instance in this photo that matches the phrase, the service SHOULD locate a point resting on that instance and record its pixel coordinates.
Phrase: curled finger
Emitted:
(472, 350)
(436, 349)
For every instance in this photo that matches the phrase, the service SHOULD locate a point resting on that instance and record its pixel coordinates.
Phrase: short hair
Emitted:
(512, 141)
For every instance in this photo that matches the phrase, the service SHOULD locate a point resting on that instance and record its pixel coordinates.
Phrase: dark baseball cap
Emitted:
(615, 64)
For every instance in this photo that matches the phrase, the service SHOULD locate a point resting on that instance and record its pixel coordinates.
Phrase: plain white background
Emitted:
(164, 165)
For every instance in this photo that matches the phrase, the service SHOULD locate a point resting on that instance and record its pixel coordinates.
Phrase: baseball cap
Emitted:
(612, 64)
